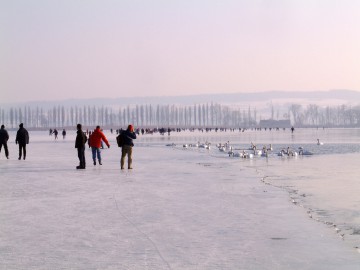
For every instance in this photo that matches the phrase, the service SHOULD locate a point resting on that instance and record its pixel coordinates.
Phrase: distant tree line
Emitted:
(197, 115)
(330, 116)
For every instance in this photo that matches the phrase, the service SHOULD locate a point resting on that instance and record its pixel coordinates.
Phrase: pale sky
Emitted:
(60, 49)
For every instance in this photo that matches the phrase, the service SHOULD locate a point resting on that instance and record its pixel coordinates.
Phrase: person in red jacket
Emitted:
(95, 143)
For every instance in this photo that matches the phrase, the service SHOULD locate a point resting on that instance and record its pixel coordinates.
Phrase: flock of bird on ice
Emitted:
(252, 151)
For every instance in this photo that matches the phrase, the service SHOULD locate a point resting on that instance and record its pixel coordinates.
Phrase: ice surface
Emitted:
(176, 209)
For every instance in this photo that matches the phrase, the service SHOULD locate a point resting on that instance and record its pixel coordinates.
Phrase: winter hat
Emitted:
(21, 125)
(131, 128)
(2, 126)
(78, 126)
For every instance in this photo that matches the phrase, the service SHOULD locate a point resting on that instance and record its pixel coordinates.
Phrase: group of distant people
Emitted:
(95, 140)
(22, 139)
(55, 132)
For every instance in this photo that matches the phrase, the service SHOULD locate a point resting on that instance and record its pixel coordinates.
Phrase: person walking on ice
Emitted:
(80, 145)
(56, 133)
(22, 138)
(4, 137)
(95, 143)
(128, 136)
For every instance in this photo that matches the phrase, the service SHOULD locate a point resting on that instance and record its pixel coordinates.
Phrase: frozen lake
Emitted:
(183, 208)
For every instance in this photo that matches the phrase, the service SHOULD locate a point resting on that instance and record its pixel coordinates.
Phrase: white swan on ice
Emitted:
(291, 152)
(194, 145)
(288, 152)
(252, 146)
(319, 143)
(247, 155)
(205, 145)
(242, 154)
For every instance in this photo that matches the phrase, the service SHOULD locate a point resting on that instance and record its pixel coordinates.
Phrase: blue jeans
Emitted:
(96, 151)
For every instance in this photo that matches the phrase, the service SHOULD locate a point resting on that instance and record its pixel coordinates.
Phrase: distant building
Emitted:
(275, 123)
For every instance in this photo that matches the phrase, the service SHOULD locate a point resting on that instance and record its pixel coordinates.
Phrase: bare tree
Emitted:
(295, 110)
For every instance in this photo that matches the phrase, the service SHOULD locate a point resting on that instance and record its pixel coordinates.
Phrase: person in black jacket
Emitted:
(128, 136)
(80, 145)
(4, 137)
(22, 138)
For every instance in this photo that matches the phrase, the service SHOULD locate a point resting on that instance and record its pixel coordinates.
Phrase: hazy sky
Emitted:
(59, 49)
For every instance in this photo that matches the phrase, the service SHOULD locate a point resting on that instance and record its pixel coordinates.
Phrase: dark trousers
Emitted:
(6, 148)
(22, 148)
(81, 155)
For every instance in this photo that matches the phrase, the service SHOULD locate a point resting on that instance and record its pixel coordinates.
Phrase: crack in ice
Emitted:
(141, 232)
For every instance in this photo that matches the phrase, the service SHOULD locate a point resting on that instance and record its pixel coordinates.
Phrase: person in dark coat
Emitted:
(128, 136)
(80, 145)
(4, 137)
(22, 138)
(56, 133)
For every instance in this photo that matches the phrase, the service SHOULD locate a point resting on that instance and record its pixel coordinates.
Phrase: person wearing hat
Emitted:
(4, 137)
(22, 138)
(128, 136)
(80, 142)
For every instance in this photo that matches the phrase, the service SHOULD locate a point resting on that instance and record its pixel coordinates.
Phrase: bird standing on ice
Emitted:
(319, 143)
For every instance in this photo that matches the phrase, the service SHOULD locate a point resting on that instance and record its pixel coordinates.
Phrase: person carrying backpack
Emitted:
(128, 136)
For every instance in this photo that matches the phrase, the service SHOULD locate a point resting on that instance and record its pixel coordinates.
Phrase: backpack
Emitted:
(85, 139)
(120, 140)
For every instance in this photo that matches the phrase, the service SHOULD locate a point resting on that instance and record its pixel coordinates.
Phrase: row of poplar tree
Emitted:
(204, 115)
(198, 115)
